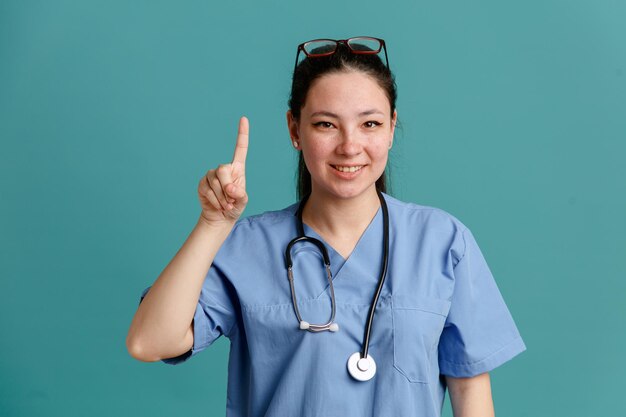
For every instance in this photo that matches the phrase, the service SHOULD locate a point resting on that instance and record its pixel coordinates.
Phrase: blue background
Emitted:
(512, 119)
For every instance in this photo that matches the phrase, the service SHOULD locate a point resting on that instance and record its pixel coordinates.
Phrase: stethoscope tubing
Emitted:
(320, 245)
(383, 274)
(313, 327)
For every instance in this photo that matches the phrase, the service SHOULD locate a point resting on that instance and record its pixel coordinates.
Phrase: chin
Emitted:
(350, 192)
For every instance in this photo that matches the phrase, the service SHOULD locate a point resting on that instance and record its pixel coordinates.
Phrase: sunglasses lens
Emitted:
(365, 45)
(320, 47)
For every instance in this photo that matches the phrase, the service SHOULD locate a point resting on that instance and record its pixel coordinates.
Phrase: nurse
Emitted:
(438, 320)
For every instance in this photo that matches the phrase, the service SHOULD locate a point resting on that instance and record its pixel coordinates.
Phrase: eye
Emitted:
(323, 124)
(372, 123)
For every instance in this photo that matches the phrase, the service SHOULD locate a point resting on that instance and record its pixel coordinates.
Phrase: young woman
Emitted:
(375, 312)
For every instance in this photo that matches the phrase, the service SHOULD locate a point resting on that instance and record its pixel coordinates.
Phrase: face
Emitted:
(345, 132)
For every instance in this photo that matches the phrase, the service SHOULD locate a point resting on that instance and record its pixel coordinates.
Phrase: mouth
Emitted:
(347, 168)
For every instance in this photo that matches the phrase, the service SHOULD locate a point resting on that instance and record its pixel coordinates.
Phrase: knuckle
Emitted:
(207, 179)
(215, 182)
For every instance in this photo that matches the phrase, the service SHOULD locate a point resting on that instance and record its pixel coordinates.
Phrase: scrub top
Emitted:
(440, 312)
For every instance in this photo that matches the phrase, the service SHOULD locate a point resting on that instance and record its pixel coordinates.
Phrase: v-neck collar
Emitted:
(336, 260)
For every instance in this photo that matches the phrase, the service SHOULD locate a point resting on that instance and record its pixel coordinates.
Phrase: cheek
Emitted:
(314, 155)
(317, 148)
(380, 153)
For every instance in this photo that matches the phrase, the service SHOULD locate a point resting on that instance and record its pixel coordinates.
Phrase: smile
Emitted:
(347, 169)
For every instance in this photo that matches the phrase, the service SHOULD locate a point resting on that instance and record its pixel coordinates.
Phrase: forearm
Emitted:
(471, 397)
(164, 316)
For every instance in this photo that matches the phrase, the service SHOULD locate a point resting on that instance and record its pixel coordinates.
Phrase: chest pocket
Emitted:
(417, 326)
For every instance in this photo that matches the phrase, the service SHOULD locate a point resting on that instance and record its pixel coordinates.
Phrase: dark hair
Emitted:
(310, 69)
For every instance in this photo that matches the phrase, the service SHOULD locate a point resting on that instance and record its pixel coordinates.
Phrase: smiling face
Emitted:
(344, 132)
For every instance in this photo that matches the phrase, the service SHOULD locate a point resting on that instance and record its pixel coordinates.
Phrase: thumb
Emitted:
(235, 192)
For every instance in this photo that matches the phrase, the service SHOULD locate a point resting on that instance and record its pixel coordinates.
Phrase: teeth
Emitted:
(347, 169)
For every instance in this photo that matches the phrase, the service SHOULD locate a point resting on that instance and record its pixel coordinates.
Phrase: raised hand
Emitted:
(222, 191)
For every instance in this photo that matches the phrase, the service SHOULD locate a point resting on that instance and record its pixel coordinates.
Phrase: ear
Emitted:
(393, 127)
(292, 125)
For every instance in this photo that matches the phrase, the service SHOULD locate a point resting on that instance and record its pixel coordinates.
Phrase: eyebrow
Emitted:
(329, 114)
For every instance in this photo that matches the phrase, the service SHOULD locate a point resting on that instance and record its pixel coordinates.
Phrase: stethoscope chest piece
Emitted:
(361, 369)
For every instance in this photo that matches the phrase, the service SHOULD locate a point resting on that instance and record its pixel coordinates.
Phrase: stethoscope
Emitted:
(361, 365)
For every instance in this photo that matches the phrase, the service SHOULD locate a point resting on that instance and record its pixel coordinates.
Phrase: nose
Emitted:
(349, 143)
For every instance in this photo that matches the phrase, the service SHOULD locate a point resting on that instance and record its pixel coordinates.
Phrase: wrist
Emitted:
(213, 226)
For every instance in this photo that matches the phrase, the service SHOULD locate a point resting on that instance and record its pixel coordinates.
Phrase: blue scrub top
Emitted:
(439, 313)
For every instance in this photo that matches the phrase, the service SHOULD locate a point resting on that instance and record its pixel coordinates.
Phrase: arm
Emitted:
(471, 397)
(161, 326)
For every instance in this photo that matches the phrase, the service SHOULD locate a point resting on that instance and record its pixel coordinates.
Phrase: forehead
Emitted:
(346, 93)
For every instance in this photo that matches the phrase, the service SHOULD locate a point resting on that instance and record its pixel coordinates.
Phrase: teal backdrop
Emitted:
(513, 119)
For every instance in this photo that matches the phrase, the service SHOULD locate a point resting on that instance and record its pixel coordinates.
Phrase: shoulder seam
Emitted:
(273, 215)
(464, 247)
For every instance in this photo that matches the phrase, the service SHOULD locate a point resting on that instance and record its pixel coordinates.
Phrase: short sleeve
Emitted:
(479, 333)
(214, 315)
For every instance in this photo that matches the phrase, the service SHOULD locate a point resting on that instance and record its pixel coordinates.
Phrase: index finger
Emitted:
(241, 149)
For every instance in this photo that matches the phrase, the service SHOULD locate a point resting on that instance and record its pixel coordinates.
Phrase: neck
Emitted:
(340, 217)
